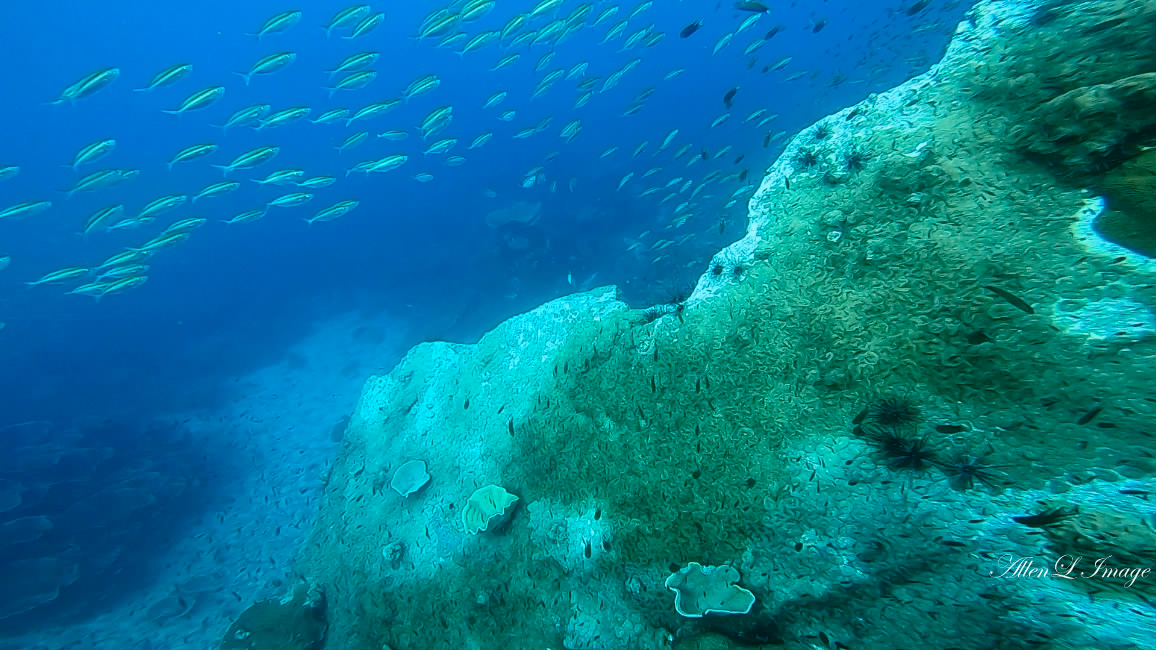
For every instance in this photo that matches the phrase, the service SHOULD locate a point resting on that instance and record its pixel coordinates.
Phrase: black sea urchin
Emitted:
(905, 452)
(855, 158)
(806, 157)
(895, 413)
(964, 471)
(677, 294)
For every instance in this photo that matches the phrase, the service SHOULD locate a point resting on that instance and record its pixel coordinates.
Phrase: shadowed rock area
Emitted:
(85, 510)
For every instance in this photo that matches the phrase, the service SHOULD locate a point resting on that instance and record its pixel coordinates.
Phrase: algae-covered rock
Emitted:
(1130, 220)
(918, 340)
(1093, 128)
(294, 622)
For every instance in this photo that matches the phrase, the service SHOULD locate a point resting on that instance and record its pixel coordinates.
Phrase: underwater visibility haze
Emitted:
(585, 325)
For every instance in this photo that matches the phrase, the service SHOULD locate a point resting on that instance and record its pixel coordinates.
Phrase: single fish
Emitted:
(441, 146)
(163, 240)
(103, 179)
(373, 110)
(184, 225)
(167, 77)
(278, 24)
(290, 200)
(287, 116)
(268, 65)
(333, 116)
(25, 209)
(128, 270)
(122, 258)
(317, 182)
(495, 99)
(192, 153)
(95, 289)
(126, 284)
(63, 275)
(129, 224)
(9, 171)
(250, 159)
(690, 29)
(1012, 299)
(478, 42)
(216, 189)
(354, 81)
(355, 62)
(748, 23)
(755, 7)
(102, 216)
(729, 97)
(246, 116)
(162, 205)
(88, 86)
(93, 153)
(421, 86)
(282, 177)
(481, 140)
(247, 217)
(334, 211)
(544, 7)
(506, 61)
(515, 25)
(199, 100)
(352, 141)
(605, 16)
(724, 41)
(388, 163)
(475, 10)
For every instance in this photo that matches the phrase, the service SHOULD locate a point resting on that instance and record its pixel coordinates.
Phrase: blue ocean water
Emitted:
(234, 298)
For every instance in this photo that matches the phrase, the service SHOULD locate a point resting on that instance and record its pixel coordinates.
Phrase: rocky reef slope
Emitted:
(930, 358)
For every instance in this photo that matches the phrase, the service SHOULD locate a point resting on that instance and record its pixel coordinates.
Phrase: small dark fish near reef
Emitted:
(1046, 518)
(1090, 415)
(729, 98)
(690, 29)
(917, 7)
(753, 7)
(1012, 299)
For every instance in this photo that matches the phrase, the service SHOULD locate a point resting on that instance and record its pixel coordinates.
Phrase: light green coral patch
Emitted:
(409, 478)
(489, 505)
(704, 590)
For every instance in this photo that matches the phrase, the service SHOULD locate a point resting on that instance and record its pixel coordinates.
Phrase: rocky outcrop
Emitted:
(919, 356)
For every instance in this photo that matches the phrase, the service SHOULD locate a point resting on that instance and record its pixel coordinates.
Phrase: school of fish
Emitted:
(528, 38)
